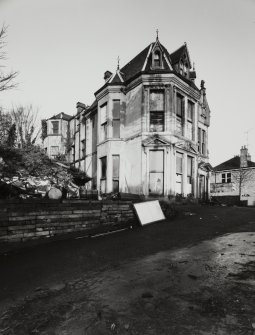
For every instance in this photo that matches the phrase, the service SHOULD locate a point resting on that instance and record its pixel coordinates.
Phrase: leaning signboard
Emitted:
(149, 211)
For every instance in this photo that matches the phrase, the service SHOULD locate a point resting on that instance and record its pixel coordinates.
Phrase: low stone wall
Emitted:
(26, 220)
(229, 200)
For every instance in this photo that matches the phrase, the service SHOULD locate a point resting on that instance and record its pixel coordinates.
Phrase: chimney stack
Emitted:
(244, 157)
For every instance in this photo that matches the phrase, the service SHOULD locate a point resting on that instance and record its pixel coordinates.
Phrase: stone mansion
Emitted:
(145, 133)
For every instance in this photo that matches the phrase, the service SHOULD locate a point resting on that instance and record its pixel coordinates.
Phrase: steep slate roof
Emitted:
(136, 66)
(64, 116)
(176, 55)
(231, 164)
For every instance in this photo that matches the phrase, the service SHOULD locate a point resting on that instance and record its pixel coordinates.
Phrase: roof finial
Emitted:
(157, 34)
(118, 64)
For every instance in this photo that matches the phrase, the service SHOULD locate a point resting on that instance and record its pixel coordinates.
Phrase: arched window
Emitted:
(157, 59)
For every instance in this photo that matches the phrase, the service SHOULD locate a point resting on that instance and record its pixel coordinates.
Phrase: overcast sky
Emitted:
(62, 49)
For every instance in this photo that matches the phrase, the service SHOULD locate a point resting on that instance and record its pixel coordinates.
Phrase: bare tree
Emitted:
(25, 119)
(6, 79)
(243, 177)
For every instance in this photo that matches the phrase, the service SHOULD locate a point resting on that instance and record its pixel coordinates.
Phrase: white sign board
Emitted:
(149, 211)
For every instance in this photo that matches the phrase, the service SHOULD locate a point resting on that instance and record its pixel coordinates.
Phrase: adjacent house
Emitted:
(234, 179)
(147, 130)
(55, 140)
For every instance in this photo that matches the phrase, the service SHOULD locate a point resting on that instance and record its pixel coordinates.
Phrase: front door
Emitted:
(156, 172)
(202, 187)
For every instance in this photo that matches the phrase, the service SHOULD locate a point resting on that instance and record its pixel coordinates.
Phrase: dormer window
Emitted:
(157, 61)
(183, 67)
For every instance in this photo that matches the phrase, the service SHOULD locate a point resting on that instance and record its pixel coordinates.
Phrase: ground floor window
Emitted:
(179, 172)
(54, 151)
(115, 173)
(156, 172)
(226, 177)
(157, 121)
(190, 175)
(103, 164)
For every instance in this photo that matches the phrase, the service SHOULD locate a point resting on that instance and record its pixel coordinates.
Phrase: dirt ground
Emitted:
(194, 274)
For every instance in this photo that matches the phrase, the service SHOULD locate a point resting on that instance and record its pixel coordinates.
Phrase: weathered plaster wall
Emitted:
(133, 176)
(133, 112)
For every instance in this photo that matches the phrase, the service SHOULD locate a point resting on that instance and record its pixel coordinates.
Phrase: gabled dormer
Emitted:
(181, 61)
(157, 56)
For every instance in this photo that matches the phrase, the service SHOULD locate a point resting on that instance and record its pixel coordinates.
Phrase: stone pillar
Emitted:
(109, 130)
(184, 175)
(173, 110)
(185, 116)
(167, 108)
(144, 114)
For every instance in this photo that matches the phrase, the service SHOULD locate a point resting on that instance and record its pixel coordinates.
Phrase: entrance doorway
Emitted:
(202, 188)
(156, 172)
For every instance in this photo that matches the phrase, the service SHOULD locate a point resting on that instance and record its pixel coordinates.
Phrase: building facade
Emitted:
(57, 129)
(235, 178)
(147, 130)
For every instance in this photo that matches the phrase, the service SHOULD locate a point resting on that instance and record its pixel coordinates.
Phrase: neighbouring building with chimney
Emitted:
(234, 179)
(147, 130)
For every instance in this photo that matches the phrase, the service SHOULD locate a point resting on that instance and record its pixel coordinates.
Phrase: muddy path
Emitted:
(205, 287)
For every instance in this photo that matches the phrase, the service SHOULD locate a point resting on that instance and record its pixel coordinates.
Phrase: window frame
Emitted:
(116, 120)
(54, 132)
(190, 119)
(226, 178)
(115, 178)
(103, 123)
(83, 148)
(156, 112)
(179, 173)
(103, 173)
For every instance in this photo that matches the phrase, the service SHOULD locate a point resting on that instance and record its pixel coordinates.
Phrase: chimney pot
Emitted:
(107, 75)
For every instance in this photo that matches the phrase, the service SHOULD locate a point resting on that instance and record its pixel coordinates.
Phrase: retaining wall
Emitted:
(26, 220)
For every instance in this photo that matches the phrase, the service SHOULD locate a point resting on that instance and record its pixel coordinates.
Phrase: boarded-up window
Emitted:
(179, 162)
(203, 143)
(103, 122)
(179, 114)
(156, 183)
(103, 112)
(180, 106)
(157, 110)
(115, 172)
(190, 115)
(116, 118)
(103, 167)
(179, 169)
(156, 100)
(103, 174)
(189, 174)
(199, 139)
(157, 59)
(190, 118)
